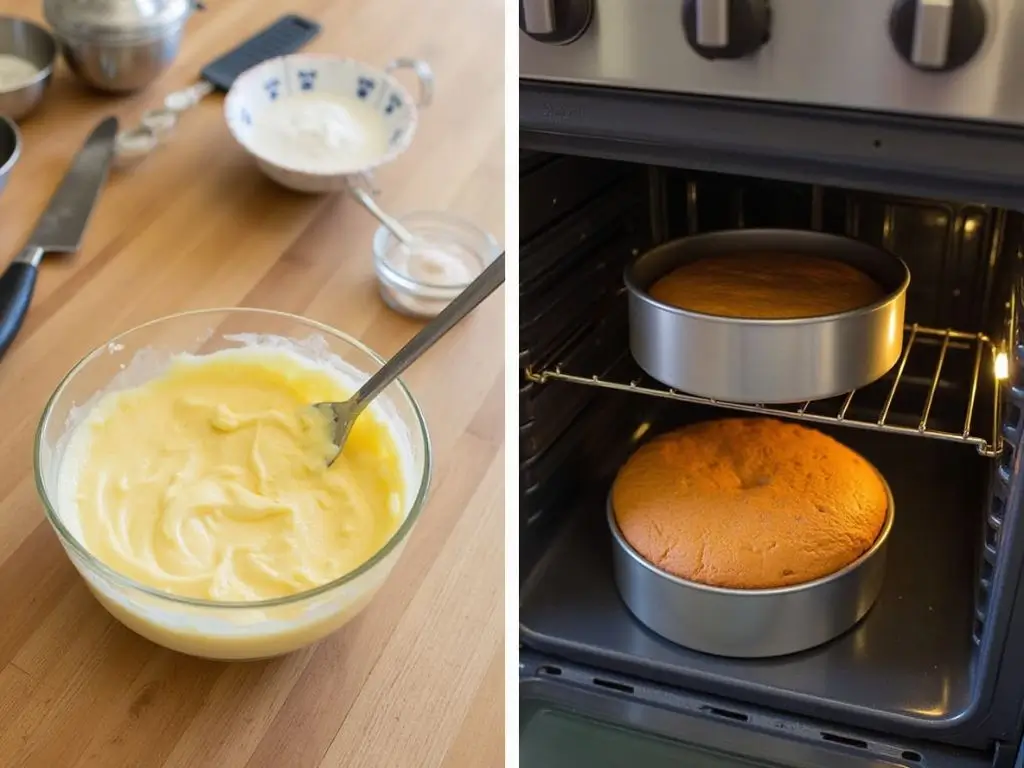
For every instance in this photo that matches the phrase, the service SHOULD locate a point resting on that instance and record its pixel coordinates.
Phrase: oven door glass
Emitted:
(552, 738)
(566, 722)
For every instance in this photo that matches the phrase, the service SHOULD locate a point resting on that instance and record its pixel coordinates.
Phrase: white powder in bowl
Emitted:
(440, 264)
(15, 72)
(439, 270)
(319, 133)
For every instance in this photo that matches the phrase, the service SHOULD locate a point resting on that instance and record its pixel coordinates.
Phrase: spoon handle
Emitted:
(484, 285)
(393, 225)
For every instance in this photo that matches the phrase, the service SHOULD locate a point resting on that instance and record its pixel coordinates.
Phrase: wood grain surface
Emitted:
(417, 679)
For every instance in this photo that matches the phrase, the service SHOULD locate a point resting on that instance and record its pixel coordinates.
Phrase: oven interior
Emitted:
(943, 427)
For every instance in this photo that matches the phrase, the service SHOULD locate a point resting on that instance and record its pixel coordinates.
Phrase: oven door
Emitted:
(574, 716)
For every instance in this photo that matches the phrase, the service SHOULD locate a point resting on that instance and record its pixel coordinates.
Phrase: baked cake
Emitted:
(768, 286)
(748, 503)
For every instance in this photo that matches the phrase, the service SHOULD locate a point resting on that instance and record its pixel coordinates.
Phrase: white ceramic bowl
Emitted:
(342, 79)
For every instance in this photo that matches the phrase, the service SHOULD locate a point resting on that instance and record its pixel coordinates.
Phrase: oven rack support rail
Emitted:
(988, 440)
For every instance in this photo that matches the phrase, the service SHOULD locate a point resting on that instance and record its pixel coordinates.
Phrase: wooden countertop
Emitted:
(417, 679)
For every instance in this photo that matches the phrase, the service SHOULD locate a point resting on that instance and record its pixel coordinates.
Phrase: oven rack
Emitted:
(986, 439)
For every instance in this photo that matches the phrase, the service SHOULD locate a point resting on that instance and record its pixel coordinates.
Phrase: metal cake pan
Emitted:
(746, 360)
(749, 623)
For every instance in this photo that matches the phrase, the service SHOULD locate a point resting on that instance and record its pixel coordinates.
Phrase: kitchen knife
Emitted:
(59, 229)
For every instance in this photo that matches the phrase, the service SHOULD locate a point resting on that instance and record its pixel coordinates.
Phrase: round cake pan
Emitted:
(748, 360)
(755, 623)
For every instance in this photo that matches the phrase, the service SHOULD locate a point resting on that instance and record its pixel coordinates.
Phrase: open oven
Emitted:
(897, 125)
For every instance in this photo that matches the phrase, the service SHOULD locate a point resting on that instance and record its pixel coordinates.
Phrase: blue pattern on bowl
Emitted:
(364, 87)
(273, 88)
(307, 79)
(394, 102)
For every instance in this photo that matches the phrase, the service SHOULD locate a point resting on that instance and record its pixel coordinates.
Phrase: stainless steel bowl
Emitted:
(34, 44)
(118, 45)
(766, 361)
(10, 149)
(756, 623)
(121, 67)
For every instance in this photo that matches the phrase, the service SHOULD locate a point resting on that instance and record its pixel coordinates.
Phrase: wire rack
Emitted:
(980, 430)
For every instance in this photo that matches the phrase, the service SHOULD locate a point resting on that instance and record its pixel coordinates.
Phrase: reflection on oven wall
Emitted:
(964, 261)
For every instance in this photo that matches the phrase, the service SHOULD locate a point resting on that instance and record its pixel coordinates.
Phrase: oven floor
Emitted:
(908, 664)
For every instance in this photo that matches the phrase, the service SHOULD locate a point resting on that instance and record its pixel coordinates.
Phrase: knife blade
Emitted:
(59, 229)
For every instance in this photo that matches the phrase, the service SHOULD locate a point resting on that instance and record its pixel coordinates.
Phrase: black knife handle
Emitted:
(16, 286)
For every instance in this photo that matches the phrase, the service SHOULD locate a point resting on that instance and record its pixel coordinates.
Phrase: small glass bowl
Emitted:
(414, 298)
(209, 628)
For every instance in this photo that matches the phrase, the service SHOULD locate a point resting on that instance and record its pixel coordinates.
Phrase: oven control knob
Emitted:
(937, 35)
(726, 29)
(556, 22)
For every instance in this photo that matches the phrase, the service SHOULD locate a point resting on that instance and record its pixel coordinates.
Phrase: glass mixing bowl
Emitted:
(208, 628)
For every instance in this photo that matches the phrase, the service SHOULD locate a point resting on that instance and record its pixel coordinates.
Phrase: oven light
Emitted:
(1002, 366)
(969, 226)
(641, 431)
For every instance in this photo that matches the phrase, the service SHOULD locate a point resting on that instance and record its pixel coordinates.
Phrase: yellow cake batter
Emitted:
(211, 481)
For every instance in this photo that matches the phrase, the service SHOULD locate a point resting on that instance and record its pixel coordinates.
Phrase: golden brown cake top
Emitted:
(769, 286)
(748, 503)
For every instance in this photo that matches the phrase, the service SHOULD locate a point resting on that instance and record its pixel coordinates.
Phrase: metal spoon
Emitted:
(343, 415)
(393, 225)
